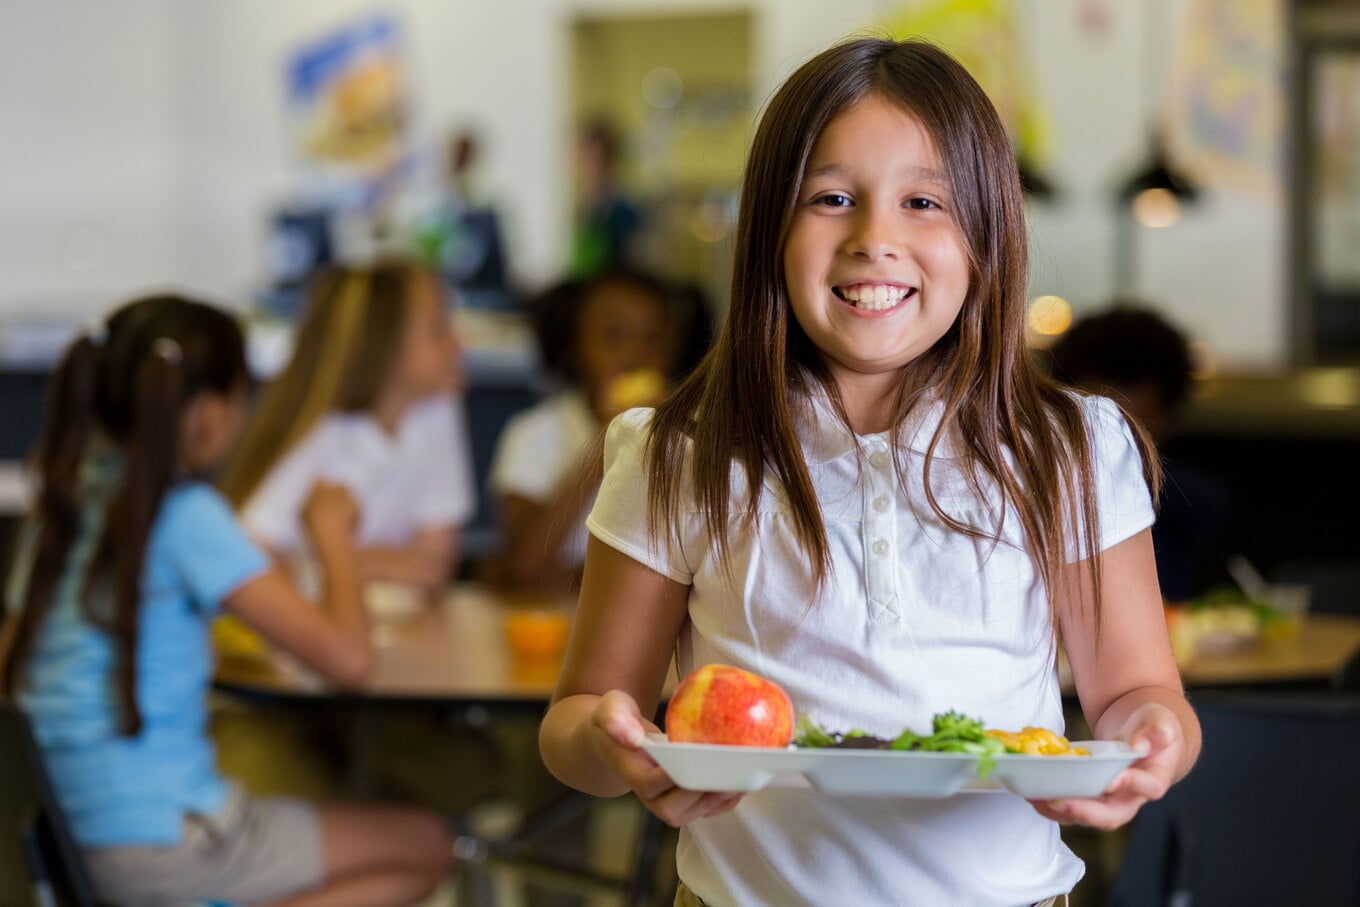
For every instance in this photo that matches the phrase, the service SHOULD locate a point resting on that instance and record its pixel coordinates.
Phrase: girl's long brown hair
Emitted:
(129, 389)
(346, 348)
(735, 409)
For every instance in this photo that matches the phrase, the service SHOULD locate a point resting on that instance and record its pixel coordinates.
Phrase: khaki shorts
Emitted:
(686, 898)
(254, 849)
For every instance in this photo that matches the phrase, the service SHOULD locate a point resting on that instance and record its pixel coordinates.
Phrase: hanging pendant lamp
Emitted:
(1155, 192)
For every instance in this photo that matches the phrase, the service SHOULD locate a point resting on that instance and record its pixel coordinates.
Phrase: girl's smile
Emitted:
(875, 299)
(875, 265)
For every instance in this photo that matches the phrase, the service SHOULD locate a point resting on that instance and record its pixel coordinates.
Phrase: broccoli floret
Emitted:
(957, 726)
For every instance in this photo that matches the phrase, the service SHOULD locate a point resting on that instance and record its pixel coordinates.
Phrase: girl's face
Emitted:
(428, 360)
(876, 268)
(622, 328)
(209, 428)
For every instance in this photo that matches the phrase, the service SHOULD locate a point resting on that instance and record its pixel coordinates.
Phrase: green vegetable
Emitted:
(807, 732)
(952, 732)
(1226, 596)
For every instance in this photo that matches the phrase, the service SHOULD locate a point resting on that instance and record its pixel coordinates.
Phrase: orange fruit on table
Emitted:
(537, 634)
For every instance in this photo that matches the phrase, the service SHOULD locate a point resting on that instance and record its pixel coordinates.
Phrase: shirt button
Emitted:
(881, 503)
(878, 459)
(880, 547)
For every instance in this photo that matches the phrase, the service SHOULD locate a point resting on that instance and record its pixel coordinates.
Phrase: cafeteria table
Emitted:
(1323, 645)
(453, 653)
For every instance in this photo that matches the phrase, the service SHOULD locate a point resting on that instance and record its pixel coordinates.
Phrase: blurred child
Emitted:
(367, 402)
(1141, 360)
(614, 339)
(868, 494)
(126, 558)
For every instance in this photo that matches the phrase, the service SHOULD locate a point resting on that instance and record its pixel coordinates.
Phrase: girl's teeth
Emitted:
(874, 298)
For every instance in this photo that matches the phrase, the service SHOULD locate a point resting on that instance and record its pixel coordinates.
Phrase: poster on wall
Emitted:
(1227, 98)
(349, 108)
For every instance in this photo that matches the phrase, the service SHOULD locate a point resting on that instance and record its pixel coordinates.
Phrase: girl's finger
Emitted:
(1105, 813)
(1147, 785)
(679, 806)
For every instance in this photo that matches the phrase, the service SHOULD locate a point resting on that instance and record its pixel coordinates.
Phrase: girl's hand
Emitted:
(1151, 728)
(617, 729)
(330, 513)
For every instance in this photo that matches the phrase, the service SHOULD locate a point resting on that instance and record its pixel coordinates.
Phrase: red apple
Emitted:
(723, 704)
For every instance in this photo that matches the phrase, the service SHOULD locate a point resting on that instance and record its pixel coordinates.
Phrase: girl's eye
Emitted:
(921, 204)
(833, 200)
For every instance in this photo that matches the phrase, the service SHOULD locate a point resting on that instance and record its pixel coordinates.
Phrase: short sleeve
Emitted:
(521, 465)
(620, 515)
(205, 546)
(448, 497)
(273, 512)
(1123, 501)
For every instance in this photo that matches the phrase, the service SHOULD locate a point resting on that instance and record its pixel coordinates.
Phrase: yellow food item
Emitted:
(232, 638)
(1038, 741)
(644, 387)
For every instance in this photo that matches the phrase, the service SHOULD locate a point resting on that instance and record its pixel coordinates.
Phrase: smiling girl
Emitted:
(868, 494)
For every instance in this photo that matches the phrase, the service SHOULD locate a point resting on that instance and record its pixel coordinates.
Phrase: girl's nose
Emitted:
(874, 235)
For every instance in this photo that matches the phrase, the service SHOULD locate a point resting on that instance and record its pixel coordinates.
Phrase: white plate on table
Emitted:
(699, 766)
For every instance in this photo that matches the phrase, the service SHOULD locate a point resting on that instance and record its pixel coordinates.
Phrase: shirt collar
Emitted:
(824, 437)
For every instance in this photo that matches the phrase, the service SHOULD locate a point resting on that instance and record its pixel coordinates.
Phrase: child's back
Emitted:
(124, 561)
(114, 786)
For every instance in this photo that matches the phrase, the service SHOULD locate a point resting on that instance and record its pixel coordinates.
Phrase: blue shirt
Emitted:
(120, 790)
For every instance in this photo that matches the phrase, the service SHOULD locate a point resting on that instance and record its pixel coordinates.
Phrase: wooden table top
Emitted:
(452, 651)
(1323, 644)
(455, 652)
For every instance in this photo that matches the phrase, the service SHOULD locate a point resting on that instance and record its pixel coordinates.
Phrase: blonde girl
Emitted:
(367, 402)
(869, 494)
(128, 555)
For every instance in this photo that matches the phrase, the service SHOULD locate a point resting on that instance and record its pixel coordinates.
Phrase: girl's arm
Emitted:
(1127, 681)
(625, 630)
(532, 532)
(332, 639)
(425, 562)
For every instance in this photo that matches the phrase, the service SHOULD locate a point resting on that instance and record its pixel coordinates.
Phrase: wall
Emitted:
(143, 141)
(89, 163)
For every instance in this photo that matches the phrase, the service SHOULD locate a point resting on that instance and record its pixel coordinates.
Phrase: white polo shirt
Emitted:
(420, 477)
(914, 619)
(536, 451)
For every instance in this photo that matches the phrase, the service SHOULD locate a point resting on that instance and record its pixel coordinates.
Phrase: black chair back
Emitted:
(1270, 815)
(40, 865)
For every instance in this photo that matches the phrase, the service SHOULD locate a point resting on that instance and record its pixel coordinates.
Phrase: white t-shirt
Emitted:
(419, 478)
(914, 619)
(536, 451)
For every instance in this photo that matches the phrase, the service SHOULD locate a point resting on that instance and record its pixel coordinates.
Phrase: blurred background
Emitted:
(1200, 157)
(156, 142)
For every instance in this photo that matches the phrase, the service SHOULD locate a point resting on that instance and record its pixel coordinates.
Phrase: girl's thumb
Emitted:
(1152, 737)
(621, 720)
(626, 730)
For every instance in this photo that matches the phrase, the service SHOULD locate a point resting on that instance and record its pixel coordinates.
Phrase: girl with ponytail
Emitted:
(127, 556)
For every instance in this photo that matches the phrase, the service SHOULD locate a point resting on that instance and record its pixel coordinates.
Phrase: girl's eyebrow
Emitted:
(925, 174)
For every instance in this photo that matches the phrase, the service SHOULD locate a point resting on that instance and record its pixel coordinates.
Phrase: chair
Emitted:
(1270, 815)
(40, 865)
(1347, 677)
